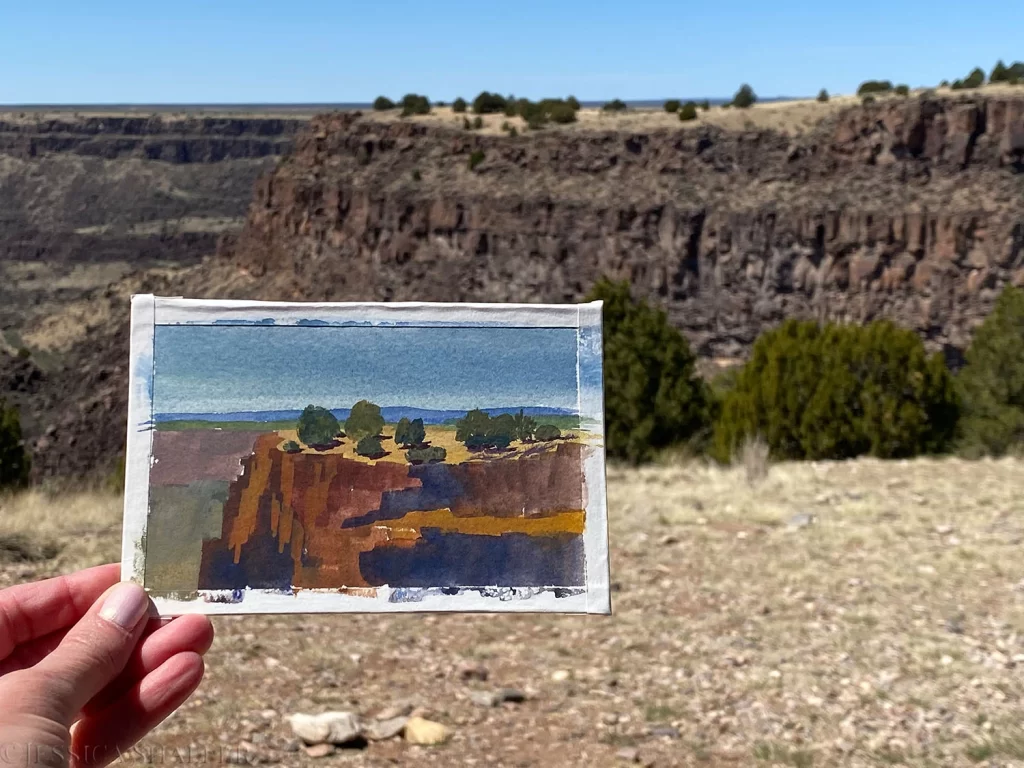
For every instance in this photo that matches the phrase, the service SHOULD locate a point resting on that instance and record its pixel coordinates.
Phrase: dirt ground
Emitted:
(862, 613)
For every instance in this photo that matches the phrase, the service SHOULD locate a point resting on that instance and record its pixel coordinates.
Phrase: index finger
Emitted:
(30, 611)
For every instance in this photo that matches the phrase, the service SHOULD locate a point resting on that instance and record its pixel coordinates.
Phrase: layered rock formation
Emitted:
(907, 209)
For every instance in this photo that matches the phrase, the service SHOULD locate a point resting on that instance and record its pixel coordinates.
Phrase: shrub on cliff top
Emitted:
(489, 103)
(902, 90)
(653, 395)
(839, 391)
(317, 426)
(688, 111)
(672, 106)
(992, 383)
(459, 105)
(414, 104)
(547, 432)
(822, 96)
(976, 79)
(615, 105)
(874, 86)
(573, 102)
(745, 97)
(383, 103)
(430, 455)
(410, 433)
(15, 462)
(370, 447)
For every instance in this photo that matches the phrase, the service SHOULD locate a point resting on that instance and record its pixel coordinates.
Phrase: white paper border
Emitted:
(149, 311)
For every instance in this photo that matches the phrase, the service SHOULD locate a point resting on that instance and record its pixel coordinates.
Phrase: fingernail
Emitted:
(125, 605)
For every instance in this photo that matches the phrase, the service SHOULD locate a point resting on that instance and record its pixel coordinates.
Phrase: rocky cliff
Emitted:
(908, 209)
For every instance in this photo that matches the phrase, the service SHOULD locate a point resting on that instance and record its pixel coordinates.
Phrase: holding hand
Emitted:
(84, 674)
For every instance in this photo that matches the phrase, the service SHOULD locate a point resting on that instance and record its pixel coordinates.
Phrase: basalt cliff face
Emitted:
(911, 210)
(908, 209)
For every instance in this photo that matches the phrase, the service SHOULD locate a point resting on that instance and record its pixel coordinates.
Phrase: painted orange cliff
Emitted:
(305, 520)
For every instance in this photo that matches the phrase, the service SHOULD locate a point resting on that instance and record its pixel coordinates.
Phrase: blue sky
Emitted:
(223, 51)
(222, 369)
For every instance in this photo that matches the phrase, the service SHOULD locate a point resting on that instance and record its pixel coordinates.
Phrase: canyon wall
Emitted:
(908, 209)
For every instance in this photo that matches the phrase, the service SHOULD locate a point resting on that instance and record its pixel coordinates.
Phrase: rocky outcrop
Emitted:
(904, 209)
(173, 140)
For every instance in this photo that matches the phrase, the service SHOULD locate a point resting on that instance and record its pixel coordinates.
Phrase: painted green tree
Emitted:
(317, 426)
(364, 420)
(548, 432)
(523, 427)
(410, 433)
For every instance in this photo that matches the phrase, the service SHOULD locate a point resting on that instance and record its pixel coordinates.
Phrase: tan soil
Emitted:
(887, 631)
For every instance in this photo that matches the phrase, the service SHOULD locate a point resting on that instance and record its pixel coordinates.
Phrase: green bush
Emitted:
(745, 97)
(475, 159)
(874, 86)
(478, 123)
(573, 102)
(364, 420)
(429, 455)
(383, 103)
(489, 103)
(839, 391)
(413, 104)
(524, 427)
(513, 131)
(290, 446)
(688, 111)
(370, 447)
(480, 431)
(459, 105)
(976, 79)
(15, 462)
(823, 96)
(944, 84)
(615, 105)
(902, 90)
(548, 432)
(1000, 73)
(317, 426)
(869, 99)
(653, 395)
(705, 105)
(561, 112)
(672, 106)
(991, 384)
(957, 85)
(410, 432)
(466, 125)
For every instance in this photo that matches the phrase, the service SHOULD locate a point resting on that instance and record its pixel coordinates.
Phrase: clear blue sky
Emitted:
(246, 51)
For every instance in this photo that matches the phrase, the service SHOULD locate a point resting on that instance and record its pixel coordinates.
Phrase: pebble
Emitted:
(426, 732)
(381, 730)
(628, 754)
(484, 698)
(402, 709)
(327, 727)
(560, 675)
(470, 671)
(319, 750)
(799, 521)
(665, 731)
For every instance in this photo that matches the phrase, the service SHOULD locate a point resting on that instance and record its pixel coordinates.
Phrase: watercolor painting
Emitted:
(366, 457)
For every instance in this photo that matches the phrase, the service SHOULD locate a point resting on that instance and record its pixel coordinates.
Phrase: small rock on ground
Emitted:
(426, 732)
(381, 730)
(327, 727)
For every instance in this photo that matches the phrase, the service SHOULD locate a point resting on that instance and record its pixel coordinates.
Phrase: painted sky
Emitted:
(257, 51)
(220, 369)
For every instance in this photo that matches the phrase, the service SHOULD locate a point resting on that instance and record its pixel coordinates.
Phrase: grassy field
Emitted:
(863, 613)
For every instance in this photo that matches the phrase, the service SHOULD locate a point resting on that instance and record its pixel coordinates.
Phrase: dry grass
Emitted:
(891, 630)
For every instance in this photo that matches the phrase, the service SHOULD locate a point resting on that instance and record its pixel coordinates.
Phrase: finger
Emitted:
(30, 611)
(94, 651)
(190, 633)
(101, 738)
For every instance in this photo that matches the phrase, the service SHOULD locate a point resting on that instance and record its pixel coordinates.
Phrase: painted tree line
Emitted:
(320, 429)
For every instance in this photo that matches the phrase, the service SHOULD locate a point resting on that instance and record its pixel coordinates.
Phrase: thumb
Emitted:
(96, 650)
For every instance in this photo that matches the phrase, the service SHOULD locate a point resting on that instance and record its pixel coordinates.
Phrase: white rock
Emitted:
(560, 675)
(379, 730)
(327, 727)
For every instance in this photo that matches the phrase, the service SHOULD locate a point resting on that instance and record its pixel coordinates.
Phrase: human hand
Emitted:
(83, 673)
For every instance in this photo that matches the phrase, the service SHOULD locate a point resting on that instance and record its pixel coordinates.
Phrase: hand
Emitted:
(83, 673)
